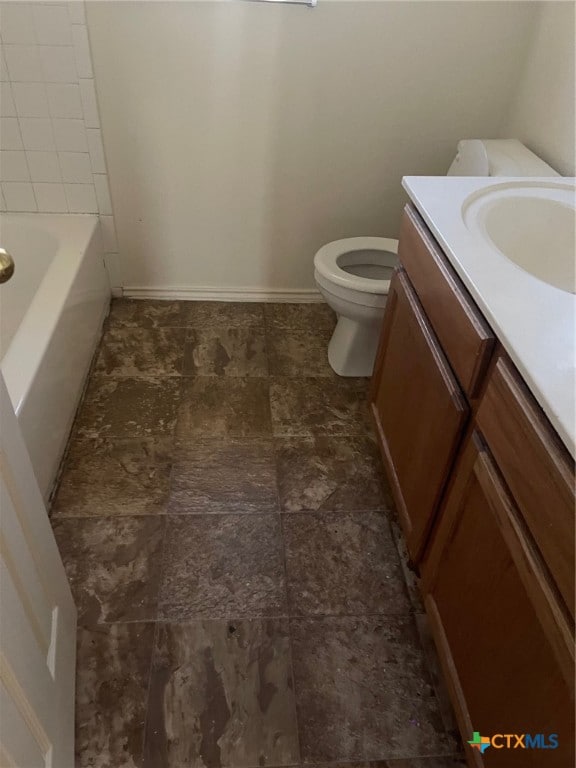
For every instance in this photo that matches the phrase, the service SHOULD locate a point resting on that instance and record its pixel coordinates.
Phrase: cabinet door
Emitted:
(504, 641)
(419, 410)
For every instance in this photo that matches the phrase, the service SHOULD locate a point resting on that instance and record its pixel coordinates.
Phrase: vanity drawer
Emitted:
(446, 302)
(536, 467)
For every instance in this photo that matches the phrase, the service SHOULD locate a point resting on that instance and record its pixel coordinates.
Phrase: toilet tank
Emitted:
(497, 157)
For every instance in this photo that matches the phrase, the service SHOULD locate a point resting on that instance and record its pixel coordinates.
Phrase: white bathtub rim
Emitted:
(19, 373)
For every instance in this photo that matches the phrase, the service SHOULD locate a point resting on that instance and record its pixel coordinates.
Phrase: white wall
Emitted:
(542, 114)
(51, 155)
(240, 137)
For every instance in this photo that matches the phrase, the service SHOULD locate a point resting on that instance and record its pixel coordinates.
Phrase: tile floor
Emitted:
(241, 584)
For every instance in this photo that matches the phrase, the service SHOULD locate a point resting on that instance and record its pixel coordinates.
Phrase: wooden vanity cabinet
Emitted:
(419, 410)
(462, 332)
(504, 642)
(536, 468)
(485, 493)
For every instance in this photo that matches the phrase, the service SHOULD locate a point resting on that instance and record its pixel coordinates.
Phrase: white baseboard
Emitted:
(222, 294)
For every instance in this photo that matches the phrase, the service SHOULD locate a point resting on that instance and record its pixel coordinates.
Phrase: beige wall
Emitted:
(543, 109)
(240, 137)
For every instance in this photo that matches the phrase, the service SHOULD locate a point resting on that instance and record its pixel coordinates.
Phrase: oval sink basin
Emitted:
(533, 227)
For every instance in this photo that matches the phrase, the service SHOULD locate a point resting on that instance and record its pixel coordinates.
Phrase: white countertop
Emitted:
(535, 322)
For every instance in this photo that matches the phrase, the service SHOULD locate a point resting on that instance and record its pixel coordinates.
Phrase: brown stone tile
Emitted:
(410, 575)
(298, 353)
(319, 406)
(138, 352)
(363, 692)
(222, 314)
(113, 565)
(115, 476)
(300, 317)
(145, 313)
(113, 668)
(129, 407)
(224, 407)
(330, 473)
(223, 476)
(342, 563)
(221, 695)
(226, 352)
(220, 566)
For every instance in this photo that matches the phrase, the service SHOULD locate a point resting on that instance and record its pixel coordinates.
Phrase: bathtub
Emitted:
(51, 315)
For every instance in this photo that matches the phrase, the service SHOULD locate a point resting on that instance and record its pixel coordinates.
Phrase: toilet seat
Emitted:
(327, 258)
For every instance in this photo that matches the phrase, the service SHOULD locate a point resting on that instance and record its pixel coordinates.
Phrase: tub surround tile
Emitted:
(14, 166)
(222, 314)
(17, 24)
(225, 352)
(220, 566)
(30, 99)
(102, 192)
(52, 24)
(223, 407)
(129, 407)
(7, 100)
(113, 565)
(113, 668)
(37, 133)
(57, 63)
(19, 196)
(97, 157)
(114, 476)
(330, 473)
(300, 317)
(44, 166)
(10, 136)
(24, 63)
(342, 563)
(82, 51)
(81, 198)
(50, 197)
(89, 103)
(223, 476)
(319, 406)
(363, 691)
(64, 100)
(136, 352)
(75, 167)
(221, 695)
(298, 353)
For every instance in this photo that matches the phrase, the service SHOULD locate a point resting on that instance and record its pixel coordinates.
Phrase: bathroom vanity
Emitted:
(474, 414)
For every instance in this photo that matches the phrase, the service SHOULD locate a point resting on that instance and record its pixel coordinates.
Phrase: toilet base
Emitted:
(352, 348)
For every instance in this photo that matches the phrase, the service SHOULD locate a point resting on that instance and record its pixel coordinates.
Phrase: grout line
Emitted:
(261, 617)
(290, 648)
(149, 687)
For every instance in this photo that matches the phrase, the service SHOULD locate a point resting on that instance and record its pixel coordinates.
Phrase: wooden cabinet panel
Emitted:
(536, 467)
(504, 641)
(419, 411)
(463, 333)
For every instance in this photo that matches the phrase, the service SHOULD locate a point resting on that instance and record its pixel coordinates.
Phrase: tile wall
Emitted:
(51, 153)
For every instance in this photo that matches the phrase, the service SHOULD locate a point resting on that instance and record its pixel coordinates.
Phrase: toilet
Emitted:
(354, 274)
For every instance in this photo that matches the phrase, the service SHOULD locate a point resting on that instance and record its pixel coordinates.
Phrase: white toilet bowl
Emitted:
(354, 277)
